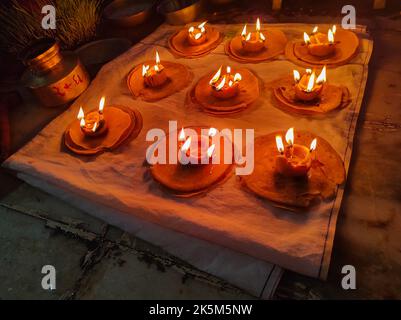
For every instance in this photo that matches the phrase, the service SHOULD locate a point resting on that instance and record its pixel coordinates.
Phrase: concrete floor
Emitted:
(95, 261)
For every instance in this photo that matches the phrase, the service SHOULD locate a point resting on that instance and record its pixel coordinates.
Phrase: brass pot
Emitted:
(177, 14)
(54, 78)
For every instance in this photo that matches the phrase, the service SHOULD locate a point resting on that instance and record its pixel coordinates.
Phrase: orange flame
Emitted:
(243, 33)
(94, 127)
(306, 38)
(279, 144)
(144, 70)
(315, 29)
(181, 136)
(262, 36)
(289, 136)
(186, 145)
(322, 76)
(202, 25)
(237, 77)
(334, 29)
(81, 114)
(248, 37)
(221, 84)
(313, 145)
(311, 82)
(210, 150)
(228, 70)
(216, 77)
(157, 58)
(330, 36)
(82, 123)
(257, 24)
(101, 105)
(297, 76)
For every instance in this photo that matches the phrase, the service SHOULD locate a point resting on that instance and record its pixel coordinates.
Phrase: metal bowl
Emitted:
(127, 13)
(178, 12)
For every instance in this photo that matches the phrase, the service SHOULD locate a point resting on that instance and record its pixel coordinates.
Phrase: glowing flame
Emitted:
(228, 70)
(157, 58)
(221, 84)
(308, 71)
(243, 33)
(306, 38)
(230, 83)
(101, 105)
(94, 127)
(322, 76)
(262, 36)
(197, 36)
(313, 145)
(82, 123)
(181, 136)
(334, 29)
(212, 132)
(311, 83)
(248, 37)
(201, 26)
(297, 76)
(289, 136)
(330, 36)
(257, 24)
(144, 70)
(315, 29)
(279, 144)
(191, 29)
(237, 77)
(216, 77)
(210, 150)
(186, 145)
(81, 114)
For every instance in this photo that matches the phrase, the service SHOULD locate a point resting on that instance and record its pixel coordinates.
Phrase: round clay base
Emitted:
(326, 173)
(331, 98)
(189, 180)
(123, 124)
(178, 77)
(249, 91)
(274, 45)
(180, 46)
(346, 47)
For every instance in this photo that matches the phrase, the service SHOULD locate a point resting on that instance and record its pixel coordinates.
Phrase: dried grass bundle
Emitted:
(20, 24)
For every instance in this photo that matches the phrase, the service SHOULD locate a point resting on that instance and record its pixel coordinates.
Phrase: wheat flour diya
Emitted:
(195, 40)
(102, 129)
(309, 93)
(300, 173)
(226, 91)
(199, 165)
(256, 46)
(334, 47)
(153, 80)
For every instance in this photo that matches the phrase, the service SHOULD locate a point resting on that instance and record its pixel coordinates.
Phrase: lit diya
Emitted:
(226, 91)
(155, 80)
(256, 46)
(195, 40)
(309, 93)
(103, 129)
(154, 76)
(197, 35)
(301, 173)
(294, 160)
(332, 47)
(320, 44)
(196, 169)
(225, 86)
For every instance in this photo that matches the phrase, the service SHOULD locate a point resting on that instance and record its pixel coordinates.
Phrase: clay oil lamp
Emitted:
(93, 123)
(197, 35)
(225, 86)
(309, 87)
(154, 76)
(294, 160)
(320, 44)
(253, 42)
(196, 150)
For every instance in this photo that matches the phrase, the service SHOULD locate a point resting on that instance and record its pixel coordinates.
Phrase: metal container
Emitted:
(55, 78)
(180, 12)
(127, 13)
